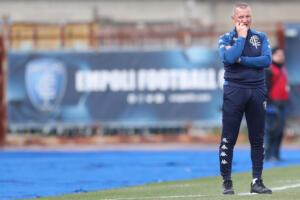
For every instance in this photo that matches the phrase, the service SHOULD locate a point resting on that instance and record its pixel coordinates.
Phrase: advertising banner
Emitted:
(125, 87)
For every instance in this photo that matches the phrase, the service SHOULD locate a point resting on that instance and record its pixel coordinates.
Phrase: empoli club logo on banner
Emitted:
(45, 83)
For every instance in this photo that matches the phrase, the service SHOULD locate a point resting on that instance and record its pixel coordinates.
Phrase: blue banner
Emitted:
(129, 88)
(292, 47)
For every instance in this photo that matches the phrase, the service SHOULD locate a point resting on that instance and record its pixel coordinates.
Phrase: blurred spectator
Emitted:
(278, 87)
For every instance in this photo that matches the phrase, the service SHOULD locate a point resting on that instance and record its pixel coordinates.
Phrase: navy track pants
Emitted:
(236, 102)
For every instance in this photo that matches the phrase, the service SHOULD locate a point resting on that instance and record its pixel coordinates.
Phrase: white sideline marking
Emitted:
(160, 197)
(199, 195)
(286, 187)
(274, 189)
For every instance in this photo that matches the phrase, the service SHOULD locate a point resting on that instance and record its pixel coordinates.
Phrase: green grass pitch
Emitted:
(285, 183)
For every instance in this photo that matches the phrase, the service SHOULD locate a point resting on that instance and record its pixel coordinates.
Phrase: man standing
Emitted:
(245, 54)
(278, 87)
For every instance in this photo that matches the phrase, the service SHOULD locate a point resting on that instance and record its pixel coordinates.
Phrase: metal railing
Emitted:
(93, 36)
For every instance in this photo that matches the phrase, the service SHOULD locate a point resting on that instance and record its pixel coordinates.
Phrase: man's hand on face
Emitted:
(241, 29)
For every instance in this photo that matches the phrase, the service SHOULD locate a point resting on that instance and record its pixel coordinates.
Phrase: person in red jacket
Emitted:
(278, 87)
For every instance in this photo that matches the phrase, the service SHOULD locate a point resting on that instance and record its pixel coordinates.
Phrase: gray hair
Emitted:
(240, 5)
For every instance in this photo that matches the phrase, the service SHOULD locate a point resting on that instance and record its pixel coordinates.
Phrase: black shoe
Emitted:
(227, 187)
(259, 187)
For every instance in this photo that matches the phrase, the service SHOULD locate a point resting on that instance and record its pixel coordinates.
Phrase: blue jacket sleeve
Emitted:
(231, 55)
(262, 61)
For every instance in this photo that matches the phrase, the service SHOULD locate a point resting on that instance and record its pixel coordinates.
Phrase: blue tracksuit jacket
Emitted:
(255, 54)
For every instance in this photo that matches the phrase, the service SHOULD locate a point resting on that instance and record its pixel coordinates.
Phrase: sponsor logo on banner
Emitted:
(45, 81)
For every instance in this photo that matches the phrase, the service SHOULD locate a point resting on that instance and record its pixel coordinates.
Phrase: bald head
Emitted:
(240, 5)
(242, 14)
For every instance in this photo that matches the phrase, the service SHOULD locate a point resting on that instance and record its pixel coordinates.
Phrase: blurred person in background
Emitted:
(245, 53)
(278, 87)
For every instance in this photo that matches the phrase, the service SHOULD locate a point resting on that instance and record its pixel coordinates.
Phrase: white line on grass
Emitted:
(160, 197)
(274, 189)
(286, 187)
(199, 195)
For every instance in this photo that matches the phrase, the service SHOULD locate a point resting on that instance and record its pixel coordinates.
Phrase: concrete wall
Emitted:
(208, 12)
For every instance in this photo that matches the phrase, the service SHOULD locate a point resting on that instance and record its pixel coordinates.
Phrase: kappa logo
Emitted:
(223, 154)
(265, 105)
(45, 81)
(224, 162)
(254, 40)
(225, 140)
